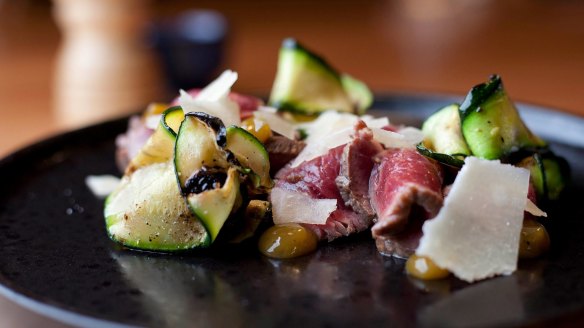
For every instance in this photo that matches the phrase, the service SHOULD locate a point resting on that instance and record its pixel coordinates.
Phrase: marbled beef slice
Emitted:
(316, 178)
(355, 169)
(401, 182)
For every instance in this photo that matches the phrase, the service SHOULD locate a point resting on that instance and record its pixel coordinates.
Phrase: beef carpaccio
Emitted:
(311, 167)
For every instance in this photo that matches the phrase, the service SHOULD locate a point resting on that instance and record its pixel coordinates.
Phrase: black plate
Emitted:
(55, 257)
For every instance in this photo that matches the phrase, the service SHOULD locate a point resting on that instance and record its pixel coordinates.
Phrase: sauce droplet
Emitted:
(284, 241)
(422, 267)
(534, 240)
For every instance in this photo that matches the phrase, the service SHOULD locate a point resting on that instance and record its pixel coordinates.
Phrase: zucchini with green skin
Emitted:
(207, 179)
(171, 119)
(445, 159)
(148, 212)
(306, 84)
(491, 124)
(548, 173)
(251, 154)
(183, 202)
(160, 145)
(197, 146)
(442, 132)
(557, 175)
(358, 92)
(214, 206)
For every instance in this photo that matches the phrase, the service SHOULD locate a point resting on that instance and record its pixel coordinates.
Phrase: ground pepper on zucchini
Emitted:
(211, 164)
(207, 175)
(198, 180)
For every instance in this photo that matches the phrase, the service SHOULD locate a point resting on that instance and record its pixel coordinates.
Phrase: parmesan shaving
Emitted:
(219, 88)
(532, 209)
(214, 100)
(332, 121)
(412, 135)
(321, 147)
(294, 207)
(326, 123)
(375, 122)
(332, 129)
(269, 116)
(102, 185)
(476, 233)
(393, 139)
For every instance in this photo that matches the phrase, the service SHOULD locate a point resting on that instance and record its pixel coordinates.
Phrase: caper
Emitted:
(285, 241)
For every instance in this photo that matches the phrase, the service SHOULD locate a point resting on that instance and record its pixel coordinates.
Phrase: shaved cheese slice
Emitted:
(326, 123)
(270, 116)
(372, 122)
(102, 185)
(214, 100)
(332, 138)
(476, 233)
(295, 207)
(532, 209)
(226, 110)
(332, 121)
(321, 147)
(219, 88)
(395, 140)
(412, 135)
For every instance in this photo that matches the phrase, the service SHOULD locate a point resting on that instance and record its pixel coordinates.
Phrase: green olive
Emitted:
(284, 241)
(534, 240)
(422, 267)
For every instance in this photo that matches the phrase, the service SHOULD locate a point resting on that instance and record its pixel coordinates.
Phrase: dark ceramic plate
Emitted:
(56, 259)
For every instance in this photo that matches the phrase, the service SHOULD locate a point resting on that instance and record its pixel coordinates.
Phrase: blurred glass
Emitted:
(191, 46)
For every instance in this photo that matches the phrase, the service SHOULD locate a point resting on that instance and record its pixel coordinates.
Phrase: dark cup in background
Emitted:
(191, 48)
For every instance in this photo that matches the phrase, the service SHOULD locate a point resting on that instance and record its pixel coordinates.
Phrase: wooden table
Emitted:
(401, 45)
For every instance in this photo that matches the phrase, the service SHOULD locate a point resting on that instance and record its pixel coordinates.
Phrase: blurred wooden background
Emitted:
(537, 46)
(410, 45)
